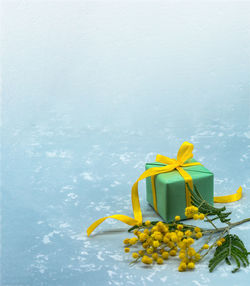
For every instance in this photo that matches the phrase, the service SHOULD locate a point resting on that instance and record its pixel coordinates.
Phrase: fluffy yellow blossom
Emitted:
(156, 243)
(149, 240)
(165, 255)
(196, 216)
(143, 237)
(159, 260)
(197, 229)
(184, 243)
(177, 218)
(198, 234)
(168, 235)
(170, 244)
(154, 228)
(135, 231)
(191, 265)
(133, 240)
(194, 209)
(158, 235)
(126, 241)
(165, 229)
(150, 250)
(205, 246)
(191, 251)
(180, 269)
(172, 252)
(141, 252)
(197, 257)
(179, 226)
(155, 255)
(180, 234)
(219, 243)
(181, 245)
(146, 260)
(182, 255)
(147, 222)
(188, 233)
(190, 241)
(188, 215)
(182, 266)
(160, 225)
(185, 260)
(174, 237)
(191, 212)
(165, 239)
(135, 255)
(201, 216)
(126, 249)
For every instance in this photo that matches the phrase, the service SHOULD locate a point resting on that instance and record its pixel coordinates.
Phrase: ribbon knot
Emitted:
(176, 163)
(184, 154)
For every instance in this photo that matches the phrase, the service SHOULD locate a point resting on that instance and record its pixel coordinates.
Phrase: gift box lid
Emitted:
(174, 176)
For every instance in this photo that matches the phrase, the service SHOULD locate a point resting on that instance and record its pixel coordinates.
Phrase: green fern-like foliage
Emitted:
(232, 249)
(206, 208)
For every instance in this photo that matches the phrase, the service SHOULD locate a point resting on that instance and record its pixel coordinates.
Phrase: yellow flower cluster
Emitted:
(192, 212)
(220, 241)
(161, 241)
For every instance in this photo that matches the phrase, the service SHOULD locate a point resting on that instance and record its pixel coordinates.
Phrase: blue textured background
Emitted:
(92, 91)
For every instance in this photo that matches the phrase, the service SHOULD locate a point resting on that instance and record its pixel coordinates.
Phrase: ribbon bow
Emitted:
(184, 153)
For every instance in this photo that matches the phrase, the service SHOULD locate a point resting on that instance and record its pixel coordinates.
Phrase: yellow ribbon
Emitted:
(184, 153)
(230, 198)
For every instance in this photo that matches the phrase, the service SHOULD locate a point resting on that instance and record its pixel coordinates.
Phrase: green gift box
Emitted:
(171, 192)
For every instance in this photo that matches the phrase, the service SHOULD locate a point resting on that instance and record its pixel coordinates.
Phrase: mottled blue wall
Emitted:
(93, 90)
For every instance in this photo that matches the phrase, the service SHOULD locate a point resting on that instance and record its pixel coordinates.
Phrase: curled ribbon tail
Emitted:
(136, 203)
(229, 198)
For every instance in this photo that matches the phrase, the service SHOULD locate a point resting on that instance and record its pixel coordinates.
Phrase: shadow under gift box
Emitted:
(171, 193)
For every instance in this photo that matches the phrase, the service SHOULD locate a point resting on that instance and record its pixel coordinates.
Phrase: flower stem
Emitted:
(230, 225)
(209, 220)
(223, 230)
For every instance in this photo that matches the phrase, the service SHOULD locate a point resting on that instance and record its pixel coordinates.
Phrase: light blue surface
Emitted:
(92, 91)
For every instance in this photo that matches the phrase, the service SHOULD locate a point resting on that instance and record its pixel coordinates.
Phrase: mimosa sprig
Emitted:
(161, 240)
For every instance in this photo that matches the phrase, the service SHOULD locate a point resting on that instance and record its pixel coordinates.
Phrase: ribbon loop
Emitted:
(185, 152)
(164, 160)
